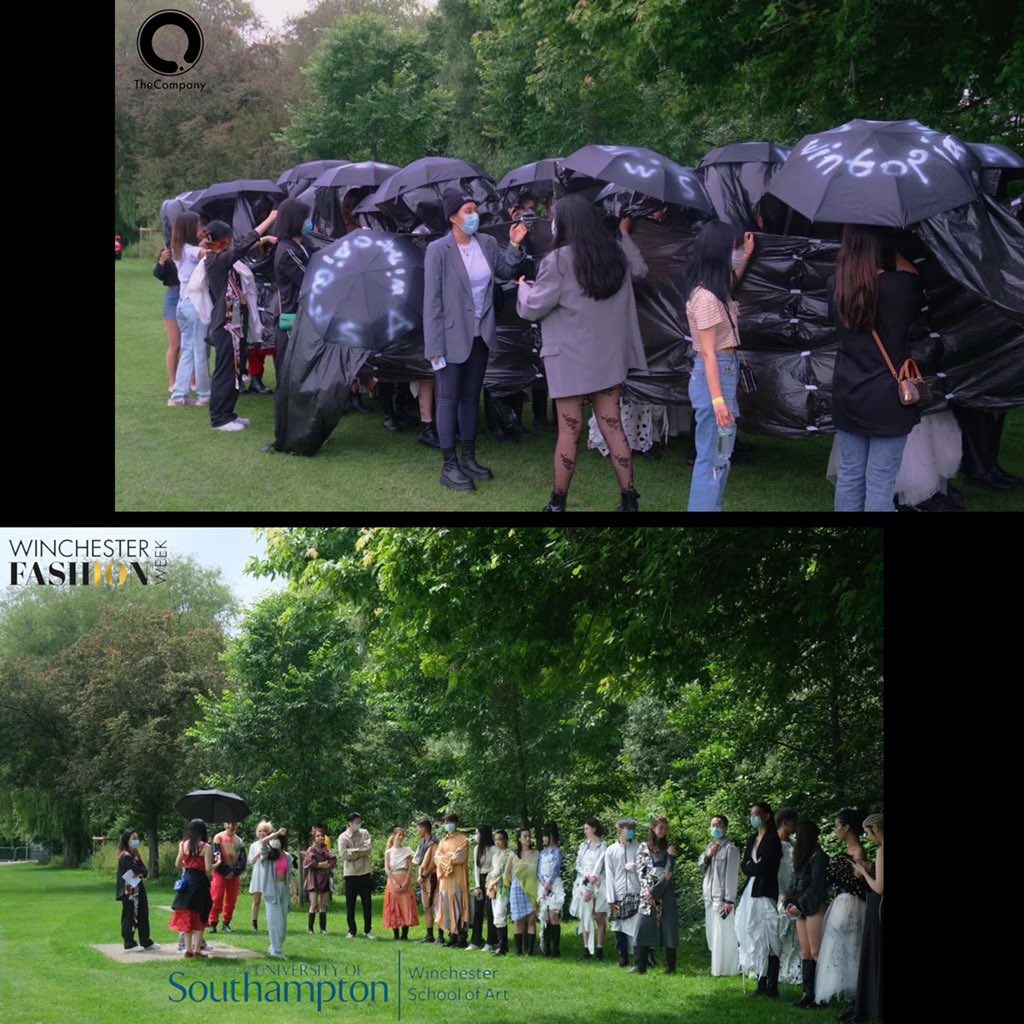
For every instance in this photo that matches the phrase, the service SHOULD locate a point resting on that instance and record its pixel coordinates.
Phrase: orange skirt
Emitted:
(400, 907)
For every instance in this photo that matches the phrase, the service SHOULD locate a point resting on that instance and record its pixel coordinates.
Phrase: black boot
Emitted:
(600, 952)
(440, 936)
(255, 926)
(555, 933)
(405, 933)
(670, 961)
(395, 930)
(519, 943)
(502, 949)
(629, 502)
(585, 955)
(256, 385)
(531, 944)
(355, 403)
(545, 941)
(452, 475)
(773, 977)
(428, 436)
(469, 464)
(312, 918)
(807, 970)
(323, 922)
(557, 502)
(762, 986)
(429, 937)
(516, 404)
(640, 967)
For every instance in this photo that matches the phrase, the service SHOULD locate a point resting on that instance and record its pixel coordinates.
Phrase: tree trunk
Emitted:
(153, 838)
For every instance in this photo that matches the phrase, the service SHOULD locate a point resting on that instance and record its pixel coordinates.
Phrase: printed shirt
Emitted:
(704, 310)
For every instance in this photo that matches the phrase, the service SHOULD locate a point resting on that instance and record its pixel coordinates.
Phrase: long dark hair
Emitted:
(486, 841)
(196, 834)
(273, 854)
(853, 818)
(519, 842)
(123, 846)
(184, 232)
(654, 841)
(598, 260)
(805, 845)
(863, 252)
(712, 260)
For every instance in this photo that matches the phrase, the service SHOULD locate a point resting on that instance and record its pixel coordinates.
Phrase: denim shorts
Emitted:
(171, 302)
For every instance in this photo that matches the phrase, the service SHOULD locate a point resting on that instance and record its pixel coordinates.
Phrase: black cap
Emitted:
(453, 200)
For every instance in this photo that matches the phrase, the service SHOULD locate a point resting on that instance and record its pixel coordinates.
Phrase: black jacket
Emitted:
(290, 262)
(807, 889)
(166, 272)
(765, 870)
(218, 267)
(127, 862)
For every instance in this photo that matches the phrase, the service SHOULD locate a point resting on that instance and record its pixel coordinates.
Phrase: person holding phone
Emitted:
(134, 903)
(720, 863)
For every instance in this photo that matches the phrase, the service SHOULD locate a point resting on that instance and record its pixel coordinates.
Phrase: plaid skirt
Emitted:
(520, 904)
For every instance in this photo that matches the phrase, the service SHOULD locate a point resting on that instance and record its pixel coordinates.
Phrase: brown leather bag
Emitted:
(911, 384)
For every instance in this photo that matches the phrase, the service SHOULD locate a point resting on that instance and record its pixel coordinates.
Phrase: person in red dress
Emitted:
(192, 901)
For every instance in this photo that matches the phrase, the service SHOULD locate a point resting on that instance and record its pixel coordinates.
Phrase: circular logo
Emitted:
(170, 63)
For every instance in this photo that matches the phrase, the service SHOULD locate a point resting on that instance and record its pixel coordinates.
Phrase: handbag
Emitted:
(286, 321)
(909, 381)
(747, 381)
(181, 883)
(625, 908)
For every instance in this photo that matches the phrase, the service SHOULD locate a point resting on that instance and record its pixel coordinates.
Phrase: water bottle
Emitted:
(726, 443)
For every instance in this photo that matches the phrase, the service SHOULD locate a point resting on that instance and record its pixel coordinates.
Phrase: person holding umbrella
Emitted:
(875, 301)
(459, 326)
(192, 902)
(134, 904)
(721, 255)
(591, 334)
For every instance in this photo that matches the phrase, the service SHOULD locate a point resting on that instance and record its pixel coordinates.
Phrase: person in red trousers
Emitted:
(227, 870)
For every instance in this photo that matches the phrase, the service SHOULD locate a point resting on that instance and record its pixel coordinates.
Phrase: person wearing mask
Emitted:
(482, 863)
(757, 917)
(868, 1002)
(843, 926)
(426, 874)
(452, 862)
(622, 888)
(318, 864)
(498, 890)
(550, 890)
(720, 863)
(226, 324)
(806, 902)
(166, 273)
(192, 903)
(789, 948)
(583, 297)
(659, 923)
(274, 871)
(263, 830)
(229, 863)
(354, 848)
(399, 898)
(875, 302)
(132, 893)
(521, 876)
(589, 903)
(291, 257)
(459, 326)
(191, 357)
(720, 258)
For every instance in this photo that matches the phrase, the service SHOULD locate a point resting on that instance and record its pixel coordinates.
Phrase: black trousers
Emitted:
(482, 909)
(458, 395)
(357, 885)
(223, 393)
(128, 921)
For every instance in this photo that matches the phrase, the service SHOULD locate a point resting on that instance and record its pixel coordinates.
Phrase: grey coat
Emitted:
(588, 344)
(448, 312)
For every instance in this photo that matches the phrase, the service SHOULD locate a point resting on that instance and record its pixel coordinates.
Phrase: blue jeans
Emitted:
(867, 472)
(707, 491)
(194, 353)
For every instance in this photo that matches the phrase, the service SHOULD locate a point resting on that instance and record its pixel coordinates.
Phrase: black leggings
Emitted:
(458, 393)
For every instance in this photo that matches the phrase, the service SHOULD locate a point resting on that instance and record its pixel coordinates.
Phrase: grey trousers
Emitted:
(277, 915)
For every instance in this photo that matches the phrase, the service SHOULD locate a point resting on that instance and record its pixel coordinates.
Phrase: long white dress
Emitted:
(589, 861)
(619, 881)
(757, 928)
(721, 876)
(842, 930)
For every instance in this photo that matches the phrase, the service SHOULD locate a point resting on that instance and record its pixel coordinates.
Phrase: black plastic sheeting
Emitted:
(736, 189)
(971, 349)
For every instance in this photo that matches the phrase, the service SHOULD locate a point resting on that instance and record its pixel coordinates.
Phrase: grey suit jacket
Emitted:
(448, 312)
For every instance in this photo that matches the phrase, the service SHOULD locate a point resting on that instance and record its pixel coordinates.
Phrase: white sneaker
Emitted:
(369, 935)
(243, 421)
(136, 949)
(151, 947)
(471, 946)
(232, 425)
(489, 949)
(349, 935)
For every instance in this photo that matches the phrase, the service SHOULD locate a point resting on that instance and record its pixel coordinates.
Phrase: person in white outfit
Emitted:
(263, 830)
(588, 893)
(622, 888)
(720, 863)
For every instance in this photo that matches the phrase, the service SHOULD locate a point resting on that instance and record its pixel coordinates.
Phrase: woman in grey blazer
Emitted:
(459, 326)
(591, 335)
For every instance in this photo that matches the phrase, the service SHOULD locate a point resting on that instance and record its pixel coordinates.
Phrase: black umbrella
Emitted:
(368, 172)
(340, 190)
(736, 177)
(641, 170)
(297, 179)
(747, 153)
(242, 203)
(427, 170)
(172, 209)
(213, 805)
(536, 179)
(876, 172)
(994, 155)
(364, 290)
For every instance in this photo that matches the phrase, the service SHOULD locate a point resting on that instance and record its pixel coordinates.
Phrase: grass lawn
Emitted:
(170, 459)
(51, 918)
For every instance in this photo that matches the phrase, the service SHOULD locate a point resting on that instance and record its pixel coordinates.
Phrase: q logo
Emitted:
(193, 46)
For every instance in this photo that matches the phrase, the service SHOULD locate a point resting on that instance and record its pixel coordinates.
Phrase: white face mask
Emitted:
(275, 843)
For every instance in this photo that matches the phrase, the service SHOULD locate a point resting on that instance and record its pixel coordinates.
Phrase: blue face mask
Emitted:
(449, 826)
(716, 833)
(755, 822)
(307, 228)
(134, 843)
(470, 223)
(630, 832)
(738, 255)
